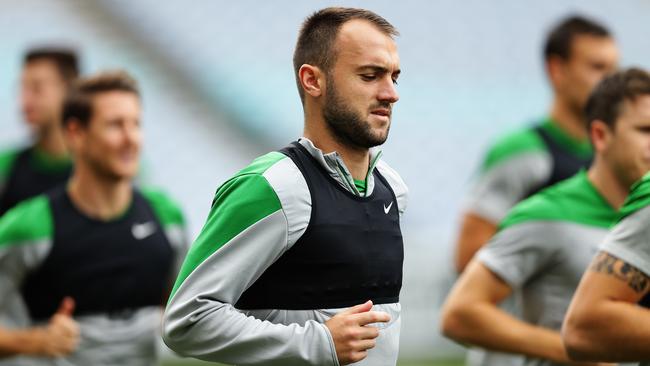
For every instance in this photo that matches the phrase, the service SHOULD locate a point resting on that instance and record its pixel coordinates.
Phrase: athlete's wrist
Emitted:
(25, 341)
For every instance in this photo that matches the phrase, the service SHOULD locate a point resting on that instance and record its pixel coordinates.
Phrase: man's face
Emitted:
(360, 89)
(110, 144)
(42, 91)
(590, 60)
(629, 148)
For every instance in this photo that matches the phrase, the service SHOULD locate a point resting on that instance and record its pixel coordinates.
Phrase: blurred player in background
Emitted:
(609, 318)
(578, 53)
(26, 172)
(99, 250)
(547, 241)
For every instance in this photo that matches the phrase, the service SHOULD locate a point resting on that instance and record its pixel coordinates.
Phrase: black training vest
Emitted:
(565, 163)
(25, 181)
(351, 251)
(101, 265)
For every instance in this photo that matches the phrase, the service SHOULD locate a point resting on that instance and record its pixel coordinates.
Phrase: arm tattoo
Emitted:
(610, 265)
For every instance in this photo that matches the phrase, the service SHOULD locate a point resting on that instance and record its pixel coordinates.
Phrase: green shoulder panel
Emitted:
(512, 145)
(167, 211)
(238, 204)
(573, 200)
(639, 197)
(30, 221)
(7, 159)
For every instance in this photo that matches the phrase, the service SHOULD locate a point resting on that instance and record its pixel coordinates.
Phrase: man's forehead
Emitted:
(41, 67)
(364, 40)
(115, 101)
(640, 104)
(586, 44)
(636, 109)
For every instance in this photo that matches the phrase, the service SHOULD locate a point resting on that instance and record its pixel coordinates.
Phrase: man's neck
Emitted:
(607, 184)
(356, 160)
(99, 197)
(51, 142)
(568, 119)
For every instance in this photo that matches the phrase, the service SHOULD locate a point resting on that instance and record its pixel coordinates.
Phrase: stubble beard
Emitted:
(102, 170)
(346, 125)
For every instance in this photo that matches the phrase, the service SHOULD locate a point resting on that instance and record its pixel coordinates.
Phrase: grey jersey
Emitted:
(630, 240)
(544, 246)
(521, 164)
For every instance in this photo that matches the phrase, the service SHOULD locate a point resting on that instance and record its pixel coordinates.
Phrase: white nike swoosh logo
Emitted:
(386, 209)
(144, 230)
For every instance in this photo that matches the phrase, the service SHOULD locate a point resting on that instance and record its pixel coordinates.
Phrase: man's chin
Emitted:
(119, 175)
(379, 137)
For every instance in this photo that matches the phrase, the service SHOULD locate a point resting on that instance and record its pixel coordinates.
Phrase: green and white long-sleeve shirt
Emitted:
(257, 216)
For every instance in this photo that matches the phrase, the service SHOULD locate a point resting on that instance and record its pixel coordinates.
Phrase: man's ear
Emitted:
(555, 67)
(73, 132)
(600, 134)
(312, 80)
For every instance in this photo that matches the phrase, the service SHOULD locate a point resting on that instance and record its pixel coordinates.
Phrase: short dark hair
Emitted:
(605, 102)
(65, 60)
(560, 39)
(318, 33)
(78, 104)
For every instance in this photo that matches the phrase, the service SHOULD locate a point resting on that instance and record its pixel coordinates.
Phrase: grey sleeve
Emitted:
(200, 320)
(16, 261)
(630, 240)
(498, 189)
(517, 253)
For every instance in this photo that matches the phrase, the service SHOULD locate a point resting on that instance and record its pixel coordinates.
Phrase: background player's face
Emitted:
(360, 89)
(629, 150)
(591, 59)
(111, 142)
(42, 90)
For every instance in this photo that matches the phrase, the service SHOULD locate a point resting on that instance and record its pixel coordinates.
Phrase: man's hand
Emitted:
(61, 336)
(352, 335)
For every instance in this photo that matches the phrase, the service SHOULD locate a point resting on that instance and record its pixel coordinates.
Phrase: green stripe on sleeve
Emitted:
(28, 222)
(512, 145)
(167, 211)
(639, 197)
(238, 204)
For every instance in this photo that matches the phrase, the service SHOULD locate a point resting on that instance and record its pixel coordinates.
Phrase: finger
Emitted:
(361, 308)
(358, 356)
(65, 325)
(371, 317)
(364, 344)
(72, 328)
(368, 332)
(66, 307)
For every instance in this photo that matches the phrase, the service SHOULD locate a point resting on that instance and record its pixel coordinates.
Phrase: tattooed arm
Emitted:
(604, 321)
